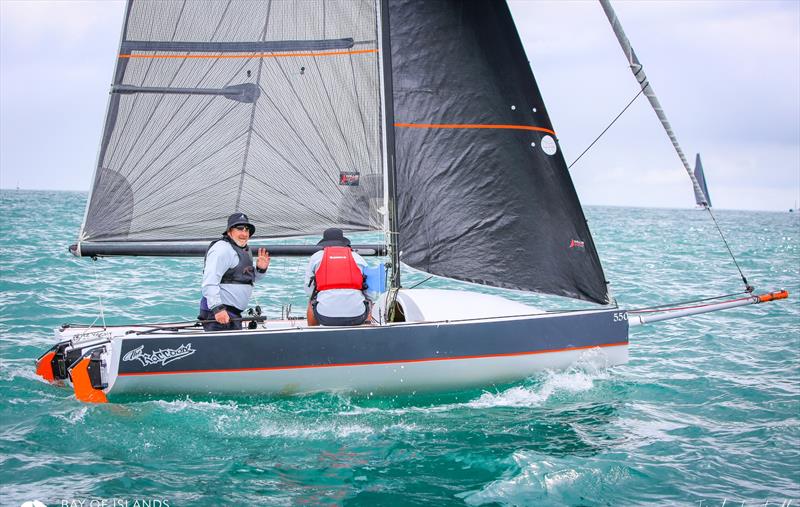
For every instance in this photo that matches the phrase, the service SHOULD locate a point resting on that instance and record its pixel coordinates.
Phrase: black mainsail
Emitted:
(484, 192)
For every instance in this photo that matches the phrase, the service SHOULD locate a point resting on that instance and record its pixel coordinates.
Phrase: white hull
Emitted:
(435, 375)
(425, 353)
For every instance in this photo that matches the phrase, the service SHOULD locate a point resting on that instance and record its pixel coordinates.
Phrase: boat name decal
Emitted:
(160, 356)
(89, 335)
(576, 243)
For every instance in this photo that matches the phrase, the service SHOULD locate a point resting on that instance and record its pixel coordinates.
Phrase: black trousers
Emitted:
(216, 326)
(340, 321)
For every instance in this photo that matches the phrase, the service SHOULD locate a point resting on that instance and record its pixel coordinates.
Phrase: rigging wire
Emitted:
(609, 126)
(99, 294)
(420, 283)
(747, 287)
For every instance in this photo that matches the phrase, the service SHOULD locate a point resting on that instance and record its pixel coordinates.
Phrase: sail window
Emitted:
(549, 145)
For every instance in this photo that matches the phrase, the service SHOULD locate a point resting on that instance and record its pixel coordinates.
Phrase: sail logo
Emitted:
(160, 356)
(575, 243)
(349, 179)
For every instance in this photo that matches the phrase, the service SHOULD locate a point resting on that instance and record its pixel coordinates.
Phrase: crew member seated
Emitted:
(334, 282)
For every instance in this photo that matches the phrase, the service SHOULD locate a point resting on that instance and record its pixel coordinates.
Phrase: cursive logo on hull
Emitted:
(160, 356)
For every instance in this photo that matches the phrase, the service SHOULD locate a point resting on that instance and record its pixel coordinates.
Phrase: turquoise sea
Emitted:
(706, 413)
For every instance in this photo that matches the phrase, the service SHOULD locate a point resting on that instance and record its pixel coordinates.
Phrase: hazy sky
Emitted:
(727, 74)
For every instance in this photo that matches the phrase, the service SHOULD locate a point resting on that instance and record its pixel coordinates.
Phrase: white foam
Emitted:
(74, 416)
(297, 430)
(575, 380)
(175, 406)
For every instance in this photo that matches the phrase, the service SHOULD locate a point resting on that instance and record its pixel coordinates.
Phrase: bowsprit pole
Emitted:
(642, 317)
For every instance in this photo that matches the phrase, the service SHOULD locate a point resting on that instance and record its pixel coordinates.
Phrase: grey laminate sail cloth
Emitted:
(484, 193)
(271, 108)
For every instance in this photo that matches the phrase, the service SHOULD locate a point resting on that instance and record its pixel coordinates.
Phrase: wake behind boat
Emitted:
(421, 120)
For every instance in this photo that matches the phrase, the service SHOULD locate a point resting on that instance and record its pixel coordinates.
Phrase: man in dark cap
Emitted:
(228, 275)
(335, 283)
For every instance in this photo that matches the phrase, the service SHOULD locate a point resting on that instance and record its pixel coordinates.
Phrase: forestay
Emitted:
(270, 108)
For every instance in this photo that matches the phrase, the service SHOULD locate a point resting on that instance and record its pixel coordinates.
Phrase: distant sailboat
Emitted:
(419, 119)
(702, 198)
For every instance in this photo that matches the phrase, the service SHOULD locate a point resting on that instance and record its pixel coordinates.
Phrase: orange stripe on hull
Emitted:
(471, 126)
(619, 344)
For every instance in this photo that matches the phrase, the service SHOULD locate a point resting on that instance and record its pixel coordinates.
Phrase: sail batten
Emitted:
(130, 46)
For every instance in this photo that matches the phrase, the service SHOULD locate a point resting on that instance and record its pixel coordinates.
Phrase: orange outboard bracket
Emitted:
(85, 390)
(44, 366)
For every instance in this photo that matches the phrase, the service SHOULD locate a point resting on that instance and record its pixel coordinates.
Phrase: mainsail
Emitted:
(271, 108)
(484, 194)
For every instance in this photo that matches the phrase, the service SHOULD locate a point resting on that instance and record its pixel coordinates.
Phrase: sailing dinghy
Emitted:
(418, 119)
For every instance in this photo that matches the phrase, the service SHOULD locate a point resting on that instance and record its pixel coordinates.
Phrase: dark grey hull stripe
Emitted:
(374, 345)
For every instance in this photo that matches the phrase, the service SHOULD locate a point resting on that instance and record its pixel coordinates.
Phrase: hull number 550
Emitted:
(620, 316)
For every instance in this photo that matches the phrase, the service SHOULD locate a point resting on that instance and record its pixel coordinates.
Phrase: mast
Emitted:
(388, 127)
(638, 72)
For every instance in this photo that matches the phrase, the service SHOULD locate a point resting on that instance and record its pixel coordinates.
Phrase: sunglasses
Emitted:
(241, 228)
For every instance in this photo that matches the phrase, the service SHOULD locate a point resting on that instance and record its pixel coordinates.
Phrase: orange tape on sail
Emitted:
(257, 55)
(83, 385)
(471, 126)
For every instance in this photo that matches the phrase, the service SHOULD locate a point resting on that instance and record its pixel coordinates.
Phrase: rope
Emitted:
(747, 287)
(608, 127)
(99, 293)
(420, 283)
